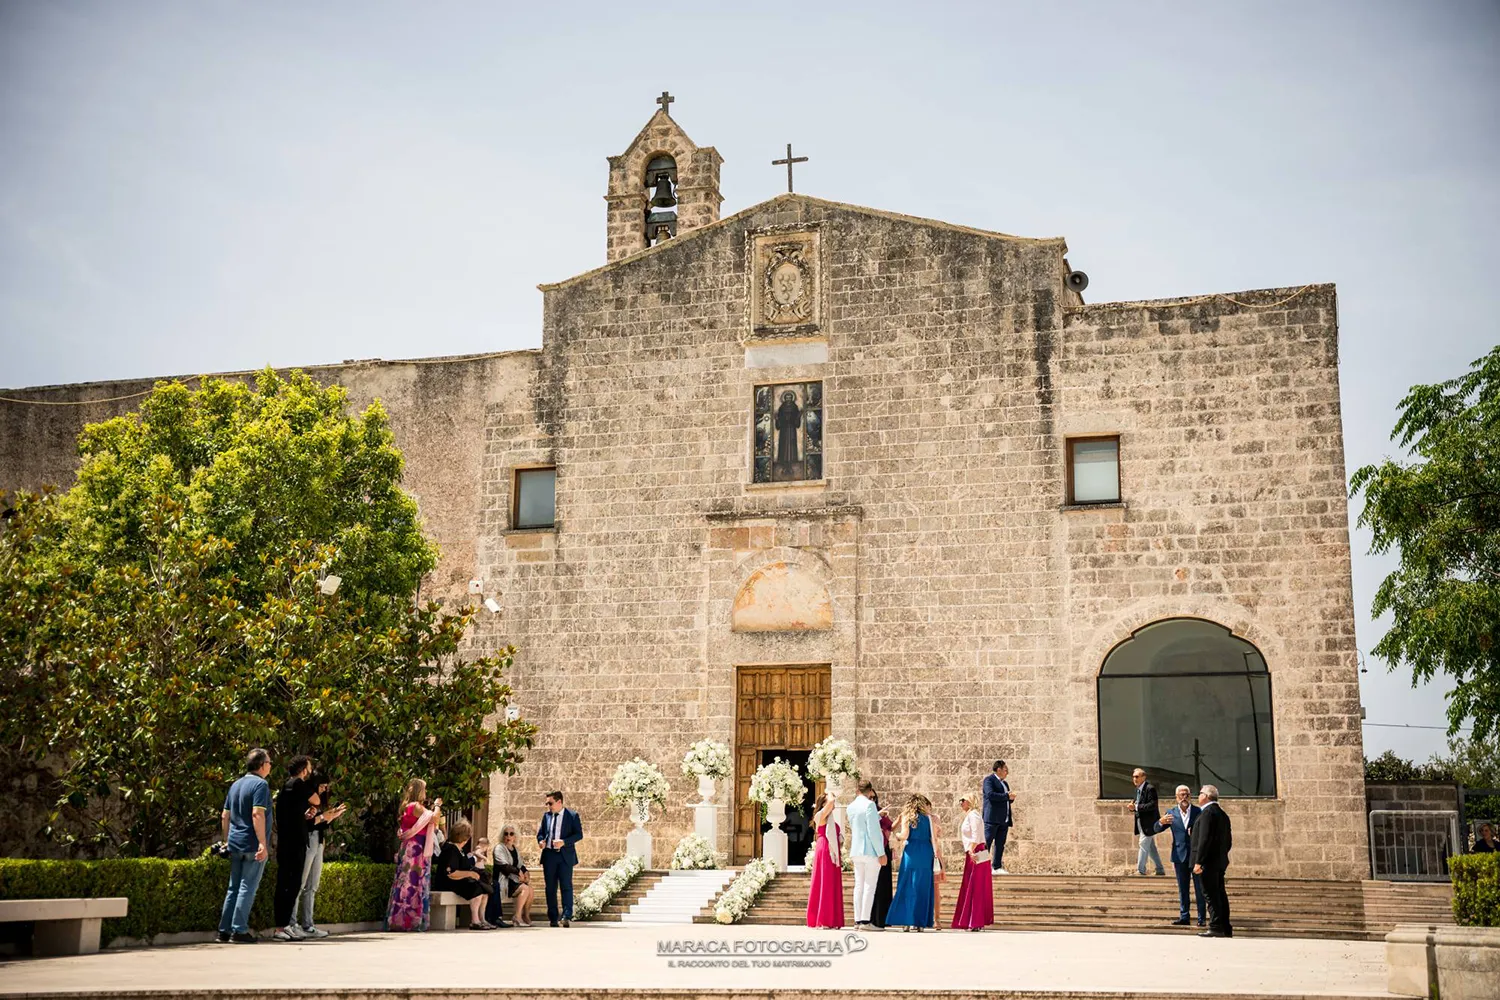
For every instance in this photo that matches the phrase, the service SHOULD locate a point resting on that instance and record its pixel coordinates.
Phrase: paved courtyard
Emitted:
(594, 957)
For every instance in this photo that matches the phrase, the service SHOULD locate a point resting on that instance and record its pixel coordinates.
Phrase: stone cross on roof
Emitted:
(790, 159)
(665, 100)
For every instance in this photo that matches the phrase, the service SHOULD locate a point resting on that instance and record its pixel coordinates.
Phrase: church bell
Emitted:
(664, 198)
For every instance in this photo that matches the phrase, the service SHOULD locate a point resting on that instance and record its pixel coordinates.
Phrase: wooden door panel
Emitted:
(776, 708)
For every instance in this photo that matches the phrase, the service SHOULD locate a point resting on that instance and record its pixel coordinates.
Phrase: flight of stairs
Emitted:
(678, 898)
(628, 897)
(1262, 907)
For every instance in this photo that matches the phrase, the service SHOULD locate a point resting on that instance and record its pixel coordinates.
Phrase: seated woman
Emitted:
(453, 871)
(512, 879)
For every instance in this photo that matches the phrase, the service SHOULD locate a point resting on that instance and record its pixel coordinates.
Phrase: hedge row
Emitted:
(171, 896)
(1476, 889)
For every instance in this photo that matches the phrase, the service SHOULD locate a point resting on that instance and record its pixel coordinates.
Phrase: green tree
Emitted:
(166, 613)
(1390, 767)
(1441, 512)
(1475, 763)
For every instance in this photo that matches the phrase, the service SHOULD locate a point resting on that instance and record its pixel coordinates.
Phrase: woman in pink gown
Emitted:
(825, 902)
(975, 909)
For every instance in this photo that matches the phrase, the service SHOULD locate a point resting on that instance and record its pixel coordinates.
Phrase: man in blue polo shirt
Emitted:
(245, 823)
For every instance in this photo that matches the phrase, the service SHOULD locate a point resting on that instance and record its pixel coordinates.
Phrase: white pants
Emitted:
(866, 874)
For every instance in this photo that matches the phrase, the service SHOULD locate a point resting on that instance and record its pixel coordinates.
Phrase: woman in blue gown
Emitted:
(912, 905)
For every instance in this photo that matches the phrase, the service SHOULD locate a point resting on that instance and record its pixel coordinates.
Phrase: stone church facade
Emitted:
(825, 469)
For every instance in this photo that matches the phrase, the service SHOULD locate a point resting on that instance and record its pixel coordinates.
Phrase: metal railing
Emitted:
(1413, 845)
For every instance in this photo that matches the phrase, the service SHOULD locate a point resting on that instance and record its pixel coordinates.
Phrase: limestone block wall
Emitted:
(1233, 479)
(971, 612)
(437, 411)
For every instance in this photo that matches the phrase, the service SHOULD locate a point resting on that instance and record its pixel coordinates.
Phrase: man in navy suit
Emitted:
(997, 815)
(1180, 819)
(560, 829)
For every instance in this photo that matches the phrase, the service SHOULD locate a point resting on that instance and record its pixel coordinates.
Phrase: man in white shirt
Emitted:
(866, 851)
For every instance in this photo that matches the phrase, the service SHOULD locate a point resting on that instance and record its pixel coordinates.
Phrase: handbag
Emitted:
(981, 856)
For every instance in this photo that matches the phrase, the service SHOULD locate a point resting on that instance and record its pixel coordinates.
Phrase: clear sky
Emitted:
(201, 186)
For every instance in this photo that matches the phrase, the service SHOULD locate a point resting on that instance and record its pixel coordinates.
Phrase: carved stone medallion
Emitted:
(785, 265)
(788, 291)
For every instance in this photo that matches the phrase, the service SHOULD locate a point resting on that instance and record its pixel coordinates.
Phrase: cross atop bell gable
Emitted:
(662, 185)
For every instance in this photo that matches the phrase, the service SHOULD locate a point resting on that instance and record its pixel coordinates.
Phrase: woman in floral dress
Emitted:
(411, 893)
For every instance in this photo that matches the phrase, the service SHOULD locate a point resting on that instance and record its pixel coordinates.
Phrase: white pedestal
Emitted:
(638, 844)
(775, 848)
(774, 841)
(836, 789)
(706, 822)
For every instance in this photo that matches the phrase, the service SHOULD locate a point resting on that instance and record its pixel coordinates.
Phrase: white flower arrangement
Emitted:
(846, 859)
(607, 886)
(742, 893)
(638, 784)
(832, 760)
(706, 759)
(777, 780)
(694, 854)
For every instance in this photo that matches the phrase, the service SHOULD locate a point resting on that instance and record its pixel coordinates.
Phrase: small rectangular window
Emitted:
(788, 445)
(1094, 470)
(535, 503)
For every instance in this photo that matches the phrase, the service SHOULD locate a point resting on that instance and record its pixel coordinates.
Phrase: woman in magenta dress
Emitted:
(411, 892)
(975, 909)
(825, 902)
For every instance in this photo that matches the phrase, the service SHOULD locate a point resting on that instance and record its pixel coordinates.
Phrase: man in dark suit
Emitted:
(1146, 813)
(1180, 819)
(559, 830)
(997, 815)
(1211, 844)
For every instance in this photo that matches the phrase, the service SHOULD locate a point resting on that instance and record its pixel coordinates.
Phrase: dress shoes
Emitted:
(1181, 922)
(1213, 933)
(566, 922)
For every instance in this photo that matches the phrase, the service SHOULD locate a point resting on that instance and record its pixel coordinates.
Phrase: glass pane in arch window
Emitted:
(1189, 703)
(1183, 646)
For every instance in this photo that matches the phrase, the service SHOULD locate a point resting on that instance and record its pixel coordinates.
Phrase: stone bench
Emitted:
(63, 926)
(444, 909)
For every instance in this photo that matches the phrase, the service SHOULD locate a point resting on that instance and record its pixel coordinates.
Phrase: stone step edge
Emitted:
(647, 993)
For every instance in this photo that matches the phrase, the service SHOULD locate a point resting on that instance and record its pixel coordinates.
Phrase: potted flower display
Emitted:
(638, 784)
(694, 854)
(708, 761)
(774, 785)
(832, 762)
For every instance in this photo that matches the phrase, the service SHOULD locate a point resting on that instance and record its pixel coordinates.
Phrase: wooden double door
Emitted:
(777, 708)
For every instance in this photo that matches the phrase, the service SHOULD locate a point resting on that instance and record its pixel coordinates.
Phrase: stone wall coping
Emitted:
(841, 510)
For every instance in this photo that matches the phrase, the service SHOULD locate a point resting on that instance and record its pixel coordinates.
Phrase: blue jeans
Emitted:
(1184, 869)
(244, 879)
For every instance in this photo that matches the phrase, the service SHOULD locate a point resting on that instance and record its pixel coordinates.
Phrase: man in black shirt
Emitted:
(293, 814)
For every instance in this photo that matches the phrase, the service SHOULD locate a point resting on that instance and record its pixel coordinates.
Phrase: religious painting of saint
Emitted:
(788, 432)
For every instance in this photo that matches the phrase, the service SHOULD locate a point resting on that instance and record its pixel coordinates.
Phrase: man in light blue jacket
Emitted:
(866, 851)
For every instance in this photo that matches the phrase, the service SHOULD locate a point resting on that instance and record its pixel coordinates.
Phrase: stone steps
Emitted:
(677, 898)
(628, 897)
(1260, 906)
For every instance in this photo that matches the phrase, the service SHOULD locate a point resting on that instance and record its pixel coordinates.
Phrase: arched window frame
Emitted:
(1101, 677)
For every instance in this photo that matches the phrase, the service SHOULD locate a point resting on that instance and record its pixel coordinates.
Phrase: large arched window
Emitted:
(1190, 703)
